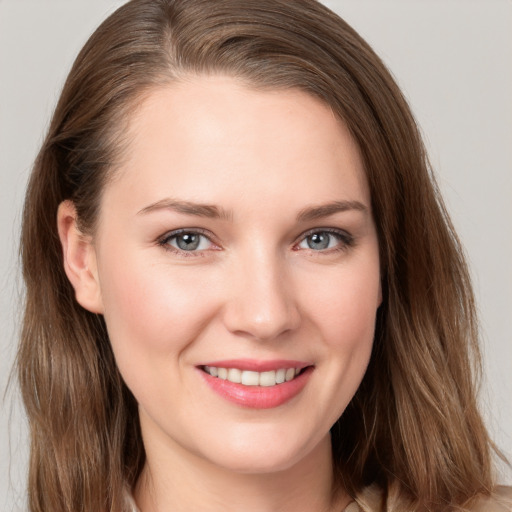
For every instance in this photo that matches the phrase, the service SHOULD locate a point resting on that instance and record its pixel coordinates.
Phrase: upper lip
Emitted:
(257, 365)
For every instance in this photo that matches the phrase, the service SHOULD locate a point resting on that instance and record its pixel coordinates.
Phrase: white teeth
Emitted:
(290, 374)
(251, 378)
(268, 378)
(234, 375)
(212, 370)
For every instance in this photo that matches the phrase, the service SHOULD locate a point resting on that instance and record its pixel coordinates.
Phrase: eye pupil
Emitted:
(318, 241)
(188, 241)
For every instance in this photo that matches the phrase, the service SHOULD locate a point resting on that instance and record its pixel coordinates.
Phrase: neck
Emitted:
(174, 479)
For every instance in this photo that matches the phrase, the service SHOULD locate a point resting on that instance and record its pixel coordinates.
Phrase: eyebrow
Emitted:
(214, 212)
(188, 208)
(325, 210)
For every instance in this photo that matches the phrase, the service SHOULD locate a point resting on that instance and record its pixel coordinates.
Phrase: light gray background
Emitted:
(453, 59)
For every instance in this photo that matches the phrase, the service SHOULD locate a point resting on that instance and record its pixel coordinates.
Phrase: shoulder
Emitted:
(373, 499)
(499, 501)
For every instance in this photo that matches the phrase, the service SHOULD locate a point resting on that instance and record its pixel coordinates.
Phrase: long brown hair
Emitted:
(413, 427)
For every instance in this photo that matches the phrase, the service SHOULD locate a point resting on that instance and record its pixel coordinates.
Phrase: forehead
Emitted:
(215, 136)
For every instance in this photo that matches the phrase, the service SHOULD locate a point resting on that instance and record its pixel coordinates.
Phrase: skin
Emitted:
(254, 288)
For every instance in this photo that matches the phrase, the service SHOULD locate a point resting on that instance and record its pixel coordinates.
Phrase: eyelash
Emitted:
(164, 242)
(345, 241)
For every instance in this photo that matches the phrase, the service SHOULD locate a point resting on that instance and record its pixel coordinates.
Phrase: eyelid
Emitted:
(164, 239)
(345, 238)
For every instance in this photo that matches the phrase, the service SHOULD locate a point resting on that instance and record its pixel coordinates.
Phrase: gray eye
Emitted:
(319, 241)
(188, 241)
(323, 240)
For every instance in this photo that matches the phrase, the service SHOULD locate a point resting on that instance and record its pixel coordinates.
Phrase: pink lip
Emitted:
(258, 397)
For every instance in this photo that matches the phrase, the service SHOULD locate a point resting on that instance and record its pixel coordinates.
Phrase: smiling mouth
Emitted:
(252, 378)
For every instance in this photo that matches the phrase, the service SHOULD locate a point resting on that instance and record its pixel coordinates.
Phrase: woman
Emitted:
(252, 296)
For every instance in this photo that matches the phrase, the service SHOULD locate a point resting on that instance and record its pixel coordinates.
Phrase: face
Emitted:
(238, 272)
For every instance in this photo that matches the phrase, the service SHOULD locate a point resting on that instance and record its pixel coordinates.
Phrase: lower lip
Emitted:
(258, 397)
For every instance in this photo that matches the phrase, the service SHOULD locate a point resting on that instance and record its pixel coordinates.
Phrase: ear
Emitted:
(79, 256)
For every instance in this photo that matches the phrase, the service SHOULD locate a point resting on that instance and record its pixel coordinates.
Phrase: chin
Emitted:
(257, 465)
(255, 456)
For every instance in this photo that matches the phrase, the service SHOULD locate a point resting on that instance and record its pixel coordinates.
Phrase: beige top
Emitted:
(371, 500)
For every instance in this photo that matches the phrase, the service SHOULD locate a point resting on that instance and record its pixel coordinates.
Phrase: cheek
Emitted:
(345, 306)
(344, 311)
(151, 314)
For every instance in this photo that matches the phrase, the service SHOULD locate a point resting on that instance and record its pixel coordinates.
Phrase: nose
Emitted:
(262, 304)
